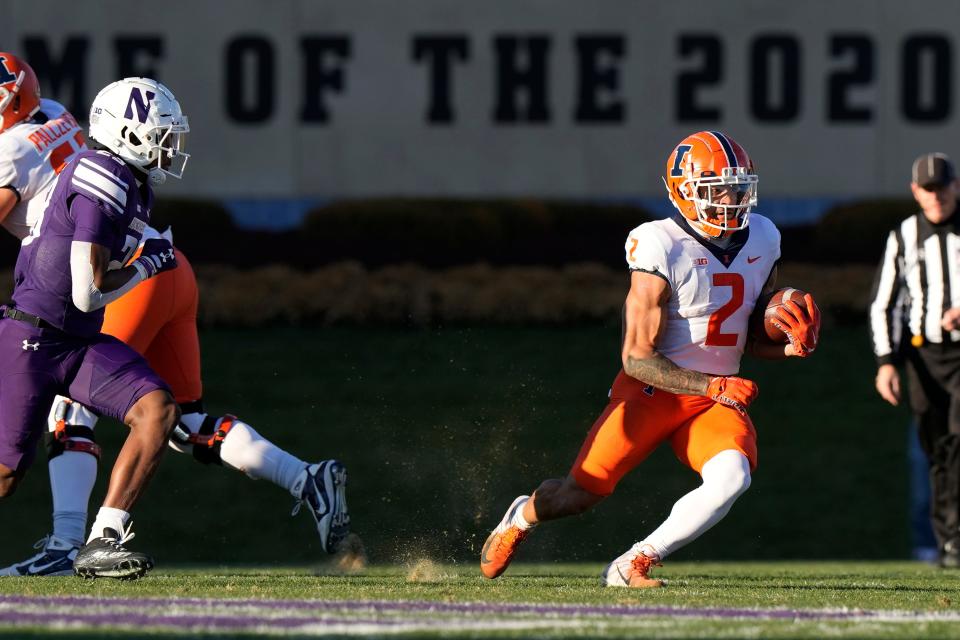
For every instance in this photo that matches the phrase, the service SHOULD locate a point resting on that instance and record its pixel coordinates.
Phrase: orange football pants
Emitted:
(158, 318)
(639, 418)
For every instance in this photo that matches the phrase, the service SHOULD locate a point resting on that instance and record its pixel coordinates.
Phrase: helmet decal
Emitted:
(143, 106)
(5, 74)
(727, 147)
(682, 149)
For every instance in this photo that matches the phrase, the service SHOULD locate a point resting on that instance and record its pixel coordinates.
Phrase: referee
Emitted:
(916, 297)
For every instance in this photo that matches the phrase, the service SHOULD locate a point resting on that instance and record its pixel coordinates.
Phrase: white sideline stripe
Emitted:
(109, 187)
(86, 162)
(328, 616)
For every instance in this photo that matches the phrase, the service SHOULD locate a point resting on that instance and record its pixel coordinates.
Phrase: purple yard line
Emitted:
(133, 619)
(230, 623)
(620, 611)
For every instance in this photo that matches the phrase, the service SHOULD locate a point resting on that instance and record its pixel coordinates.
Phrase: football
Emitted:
(764, 316)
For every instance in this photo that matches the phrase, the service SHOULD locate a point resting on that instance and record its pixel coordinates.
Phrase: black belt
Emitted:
(28, 318)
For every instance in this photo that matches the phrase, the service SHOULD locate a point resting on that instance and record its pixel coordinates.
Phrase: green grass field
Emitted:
(441, 429)
(717, 600)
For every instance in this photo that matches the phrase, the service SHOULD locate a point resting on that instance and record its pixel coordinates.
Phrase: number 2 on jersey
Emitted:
(715, 337)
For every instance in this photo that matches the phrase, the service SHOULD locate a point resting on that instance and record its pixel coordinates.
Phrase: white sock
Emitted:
(108, 518)
(725, 477)
(72, 476)
(246, 450)
(518, 520)
(648, 550)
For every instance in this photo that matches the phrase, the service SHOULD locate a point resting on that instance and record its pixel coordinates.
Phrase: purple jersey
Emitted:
(97, 200)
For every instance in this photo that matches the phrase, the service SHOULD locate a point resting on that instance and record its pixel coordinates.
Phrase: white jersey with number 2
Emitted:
(710, 302)
(32, 153)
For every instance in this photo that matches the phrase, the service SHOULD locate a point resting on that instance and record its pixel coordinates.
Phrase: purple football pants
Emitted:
(36, 364)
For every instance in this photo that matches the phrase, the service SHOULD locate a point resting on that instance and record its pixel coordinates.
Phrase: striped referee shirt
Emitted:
(917, 281)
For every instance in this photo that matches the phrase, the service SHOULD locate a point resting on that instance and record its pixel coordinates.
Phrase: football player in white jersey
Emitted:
(38, 138)
(695, 279)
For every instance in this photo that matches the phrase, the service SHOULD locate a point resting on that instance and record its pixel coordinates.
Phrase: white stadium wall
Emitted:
(560, 98)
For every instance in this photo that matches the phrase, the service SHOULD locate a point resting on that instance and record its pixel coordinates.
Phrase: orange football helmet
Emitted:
(19, 90)
(711, 180)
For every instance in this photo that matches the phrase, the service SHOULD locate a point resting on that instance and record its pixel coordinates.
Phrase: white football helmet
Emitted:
(140, 120)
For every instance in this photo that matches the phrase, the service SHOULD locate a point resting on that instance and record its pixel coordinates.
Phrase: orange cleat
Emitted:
(632, 569)
(502, 543)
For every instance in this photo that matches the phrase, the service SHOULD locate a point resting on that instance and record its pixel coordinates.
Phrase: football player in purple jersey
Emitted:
(69, 268)
(157, 318)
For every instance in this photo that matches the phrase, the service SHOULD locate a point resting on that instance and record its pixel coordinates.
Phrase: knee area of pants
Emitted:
(743, 482)
(734, 484)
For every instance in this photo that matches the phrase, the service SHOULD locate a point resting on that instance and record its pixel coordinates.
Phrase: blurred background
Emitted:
(407, 219)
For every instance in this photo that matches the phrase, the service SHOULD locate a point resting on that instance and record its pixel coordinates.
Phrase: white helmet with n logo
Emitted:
(140, 121)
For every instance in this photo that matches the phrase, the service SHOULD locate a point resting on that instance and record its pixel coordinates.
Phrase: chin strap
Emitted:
(156, 176)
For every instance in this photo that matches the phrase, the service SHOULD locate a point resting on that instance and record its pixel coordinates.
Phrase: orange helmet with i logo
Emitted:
(711, 180)
(19, 91)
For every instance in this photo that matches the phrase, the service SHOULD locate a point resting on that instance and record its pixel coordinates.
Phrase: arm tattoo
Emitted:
(664, 374)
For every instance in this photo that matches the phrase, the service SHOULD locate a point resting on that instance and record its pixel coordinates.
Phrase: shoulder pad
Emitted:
(12, 146)
(12, 151)
(103, 178)
(645, 249)
(51, 108)
(648, 232)
(764, 225)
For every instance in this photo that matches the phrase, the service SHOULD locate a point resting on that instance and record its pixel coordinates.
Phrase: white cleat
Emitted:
(503, 542)
(631, 569)
(322, 487)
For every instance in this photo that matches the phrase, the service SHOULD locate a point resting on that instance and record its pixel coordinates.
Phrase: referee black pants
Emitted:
(933, 379)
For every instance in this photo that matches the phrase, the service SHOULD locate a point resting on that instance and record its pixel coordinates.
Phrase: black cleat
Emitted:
(106, 557)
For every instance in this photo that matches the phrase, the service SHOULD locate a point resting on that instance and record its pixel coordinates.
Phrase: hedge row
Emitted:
(857, 232)
(447, 233)
(433, 233)
(444, 233)
(350, 294)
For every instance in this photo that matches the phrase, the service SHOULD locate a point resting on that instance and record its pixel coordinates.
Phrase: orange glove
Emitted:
(802, 326)
(733, 392)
